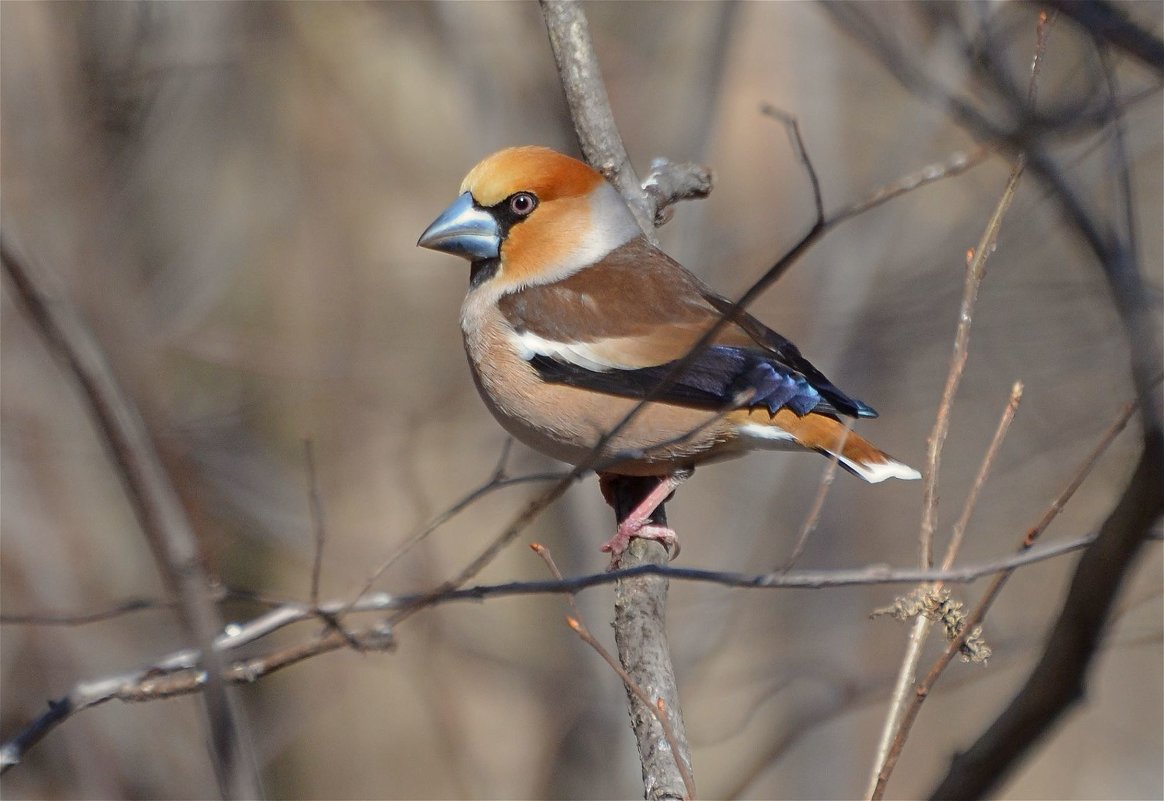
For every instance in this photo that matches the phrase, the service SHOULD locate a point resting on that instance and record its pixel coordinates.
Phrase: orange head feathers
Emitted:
(545, 173)
(530, 215)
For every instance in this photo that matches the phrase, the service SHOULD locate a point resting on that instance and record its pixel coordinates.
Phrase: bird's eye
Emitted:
(522, 203)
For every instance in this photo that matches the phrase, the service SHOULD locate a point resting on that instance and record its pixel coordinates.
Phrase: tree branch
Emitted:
(154, 501)
(1058, 681)
(594, 124)
(640, 604)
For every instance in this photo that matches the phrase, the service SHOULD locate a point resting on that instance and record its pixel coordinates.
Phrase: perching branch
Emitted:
(657, 707)
(640, 604)
(585, 91)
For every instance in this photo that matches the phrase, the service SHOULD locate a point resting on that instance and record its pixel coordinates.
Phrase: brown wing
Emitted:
(617, 326)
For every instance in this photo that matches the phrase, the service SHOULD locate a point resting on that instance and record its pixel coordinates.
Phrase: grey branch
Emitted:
(153, 498)
(581, 80)
(668, 183)
(640, 604)
(179, 672)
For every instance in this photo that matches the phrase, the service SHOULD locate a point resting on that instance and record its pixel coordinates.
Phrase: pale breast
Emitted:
(566, 422)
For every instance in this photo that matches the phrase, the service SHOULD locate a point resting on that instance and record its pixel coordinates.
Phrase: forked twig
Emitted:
(975, 618)
(959, 531)
(974, 274)
(922, 624)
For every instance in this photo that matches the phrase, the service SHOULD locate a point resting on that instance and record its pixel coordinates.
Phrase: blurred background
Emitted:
(231, 193)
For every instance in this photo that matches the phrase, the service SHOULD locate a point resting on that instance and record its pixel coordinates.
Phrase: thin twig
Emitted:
(792, 125)
(959, 531)
(317, 525)
(498, 480)
(974, 274)
(956, 164)
(86, 618)
(818, 501)
(132, 605)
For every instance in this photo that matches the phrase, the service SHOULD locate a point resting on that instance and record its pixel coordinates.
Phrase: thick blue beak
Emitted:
(463, 230)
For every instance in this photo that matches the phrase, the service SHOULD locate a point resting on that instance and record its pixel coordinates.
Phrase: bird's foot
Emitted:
(643, 529)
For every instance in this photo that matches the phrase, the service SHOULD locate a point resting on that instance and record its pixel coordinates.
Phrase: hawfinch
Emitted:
(572, 317)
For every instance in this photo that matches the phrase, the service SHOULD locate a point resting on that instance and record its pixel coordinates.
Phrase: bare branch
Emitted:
(153, 498)
(1105, 20)
(955, 544)
(497, 481)
(668, 183)
(1057, 681)
(1072, 644)
(902, 712)
(640, 633)
(974, 273)
(975, 618)
(143, 684)
(793, 127)
(589, 107)
(956, 164)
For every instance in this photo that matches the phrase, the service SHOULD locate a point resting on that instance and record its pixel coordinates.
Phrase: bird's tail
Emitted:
(825, 435)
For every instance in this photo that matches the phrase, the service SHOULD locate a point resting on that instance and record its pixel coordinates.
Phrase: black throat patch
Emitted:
(482, 270)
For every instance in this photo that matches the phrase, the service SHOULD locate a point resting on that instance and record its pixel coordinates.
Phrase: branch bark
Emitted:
(640, 632)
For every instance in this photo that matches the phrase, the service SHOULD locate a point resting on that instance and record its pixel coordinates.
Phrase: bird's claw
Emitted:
(616, 546)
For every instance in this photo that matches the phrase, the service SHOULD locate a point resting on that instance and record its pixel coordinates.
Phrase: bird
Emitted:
(573, 317)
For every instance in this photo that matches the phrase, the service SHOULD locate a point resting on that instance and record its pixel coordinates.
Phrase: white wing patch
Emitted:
(587, 355)
(769, 438)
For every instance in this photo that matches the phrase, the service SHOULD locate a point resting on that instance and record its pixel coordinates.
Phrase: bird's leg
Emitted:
(638, 505)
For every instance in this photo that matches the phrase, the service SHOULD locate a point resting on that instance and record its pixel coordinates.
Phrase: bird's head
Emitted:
(530, 215)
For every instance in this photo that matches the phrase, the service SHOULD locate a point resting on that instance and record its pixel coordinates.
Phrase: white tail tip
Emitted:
(875, 473)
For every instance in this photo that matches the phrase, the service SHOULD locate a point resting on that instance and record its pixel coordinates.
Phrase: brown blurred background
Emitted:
(231, 193)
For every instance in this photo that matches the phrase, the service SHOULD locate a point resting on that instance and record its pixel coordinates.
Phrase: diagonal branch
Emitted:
(153, 498)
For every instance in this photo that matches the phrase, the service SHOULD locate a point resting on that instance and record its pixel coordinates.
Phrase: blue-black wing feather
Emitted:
(721, 376)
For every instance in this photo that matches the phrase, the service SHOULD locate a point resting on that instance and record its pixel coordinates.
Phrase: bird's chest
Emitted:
(566, 422)
(537, 413)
